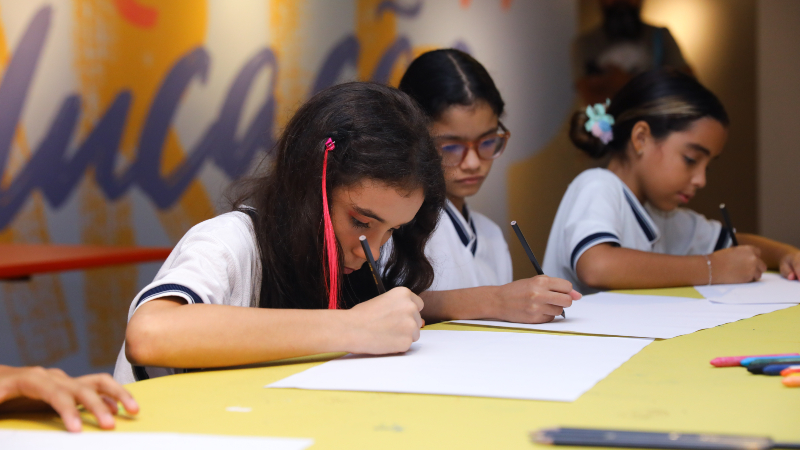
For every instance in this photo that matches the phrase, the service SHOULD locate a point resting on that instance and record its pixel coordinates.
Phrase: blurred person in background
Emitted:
(623, 46)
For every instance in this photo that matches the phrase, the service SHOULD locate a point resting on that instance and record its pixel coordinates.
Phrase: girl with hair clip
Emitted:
(285, 276)
(624, 227)
(469, 254)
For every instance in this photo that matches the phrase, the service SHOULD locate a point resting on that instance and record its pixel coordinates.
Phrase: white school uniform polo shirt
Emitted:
(216, 262)
(467, 251)
(599, 208)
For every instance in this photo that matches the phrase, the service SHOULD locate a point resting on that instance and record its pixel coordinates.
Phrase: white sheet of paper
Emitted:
(772, 288)
(646, 316)
(479, 364)
(112, 440)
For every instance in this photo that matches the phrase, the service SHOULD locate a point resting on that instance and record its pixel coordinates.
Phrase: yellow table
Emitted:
(668, 386)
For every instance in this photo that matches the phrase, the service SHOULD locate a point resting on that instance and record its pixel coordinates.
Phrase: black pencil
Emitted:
(728, 224)
(372, 266)
(528, 250)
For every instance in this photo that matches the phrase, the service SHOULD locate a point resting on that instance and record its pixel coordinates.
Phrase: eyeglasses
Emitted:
(488, 147)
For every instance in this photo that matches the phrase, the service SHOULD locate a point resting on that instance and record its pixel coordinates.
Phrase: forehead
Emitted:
(395, 206)
(705, 132)
(468, 122)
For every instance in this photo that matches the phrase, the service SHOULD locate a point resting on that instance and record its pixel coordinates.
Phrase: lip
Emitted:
(471, 180)
(348, 271)
(685, 197)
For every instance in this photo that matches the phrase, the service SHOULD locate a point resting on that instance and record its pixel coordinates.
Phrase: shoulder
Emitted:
(596, 182)
(486, 226)
(234, 230)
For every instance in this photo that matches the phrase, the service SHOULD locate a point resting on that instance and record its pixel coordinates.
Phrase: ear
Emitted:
(640, 136)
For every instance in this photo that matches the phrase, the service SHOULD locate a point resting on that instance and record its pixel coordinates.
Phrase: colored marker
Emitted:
(734, 361)
(790, 370)
(775, 369)
(753, 359)
(758, 367)
(791, 381)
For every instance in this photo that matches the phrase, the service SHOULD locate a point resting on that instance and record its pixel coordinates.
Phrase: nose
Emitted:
(699, 178)
(471, 160)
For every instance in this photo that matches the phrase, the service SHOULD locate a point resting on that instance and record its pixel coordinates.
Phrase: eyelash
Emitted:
(359, 224)
(363, 225)
(689, 161)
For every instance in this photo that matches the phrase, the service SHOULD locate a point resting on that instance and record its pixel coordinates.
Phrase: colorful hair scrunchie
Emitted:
(330, 250)
(600, 122)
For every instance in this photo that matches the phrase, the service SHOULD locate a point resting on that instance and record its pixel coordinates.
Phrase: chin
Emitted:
(667, 207)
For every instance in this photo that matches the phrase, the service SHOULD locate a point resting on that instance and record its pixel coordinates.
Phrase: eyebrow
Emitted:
(699, 148)
(461, 138)
(368, 213)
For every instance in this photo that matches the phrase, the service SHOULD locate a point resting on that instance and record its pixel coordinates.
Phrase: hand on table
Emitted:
(790, 266)
(98, 393)
(388, 323)
(534, 300)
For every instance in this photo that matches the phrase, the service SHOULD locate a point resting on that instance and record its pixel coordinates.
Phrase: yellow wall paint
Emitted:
(113, 54)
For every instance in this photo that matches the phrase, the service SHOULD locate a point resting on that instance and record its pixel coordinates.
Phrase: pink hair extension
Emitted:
(330, 249)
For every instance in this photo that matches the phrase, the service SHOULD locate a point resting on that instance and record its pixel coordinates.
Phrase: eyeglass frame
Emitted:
(502, 132)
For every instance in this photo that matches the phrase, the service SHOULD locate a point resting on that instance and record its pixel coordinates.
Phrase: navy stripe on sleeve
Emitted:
(165, 289)
(588, 241)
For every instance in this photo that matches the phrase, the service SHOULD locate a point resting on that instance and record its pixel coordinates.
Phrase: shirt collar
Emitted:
(465, 226)
(646, 223)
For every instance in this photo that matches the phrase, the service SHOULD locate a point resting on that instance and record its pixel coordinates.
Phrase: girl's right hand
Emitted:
(740, 264)
(388, 323)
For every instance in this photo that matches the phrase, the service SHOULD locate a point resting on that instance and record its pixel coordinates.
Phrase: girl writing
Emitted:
(470, 256)
(282, 276)
(625, 226)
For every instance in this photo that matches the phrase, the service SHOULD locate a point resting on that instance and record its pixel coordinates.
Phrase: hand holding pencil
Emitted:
(538, 299)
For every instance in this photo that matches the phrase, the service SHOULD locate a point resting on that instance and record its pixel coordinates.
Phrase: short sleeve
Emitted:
(593, 219)
(212, 264)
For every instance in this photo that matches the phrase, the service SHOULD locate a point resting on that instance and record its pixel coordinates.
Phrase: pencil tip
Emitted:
(362, 238)
(722, 206)
(513, 222)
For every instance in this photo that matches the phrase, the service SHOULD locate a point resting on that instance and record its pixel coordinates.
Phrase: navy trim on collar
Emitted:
(462, 233)
(639, 214)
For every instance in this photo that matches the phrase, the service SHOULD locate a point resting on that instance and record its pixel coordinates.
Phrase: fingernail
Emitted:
(75, 424)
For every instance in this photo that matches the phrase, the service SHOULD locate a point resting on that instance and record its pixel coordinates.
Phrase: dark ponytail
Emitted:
(666, 99)
(440, 79)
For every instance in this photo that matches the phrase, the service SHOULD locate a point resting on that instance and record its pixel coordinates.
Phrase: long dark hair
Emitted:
(381, 135)
(443, 78)
(668, 100)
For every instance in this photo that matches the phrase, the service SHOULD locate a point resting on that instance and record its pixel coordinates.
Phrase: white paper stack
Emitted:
(771, 289)
(478, 363)
(647, 316)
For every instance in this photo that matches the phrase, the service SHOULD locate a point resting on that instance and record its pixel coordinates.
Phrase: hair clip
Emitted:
(600, 122)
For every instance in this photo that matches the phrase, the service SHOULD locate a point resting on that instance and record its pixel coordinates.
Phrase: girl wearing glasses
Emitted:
(472, 265)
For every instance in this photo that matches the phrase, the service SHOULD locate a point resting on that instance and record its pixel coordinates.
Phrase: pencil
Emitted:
(528, 250)
(728, 224)
(372, 266)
